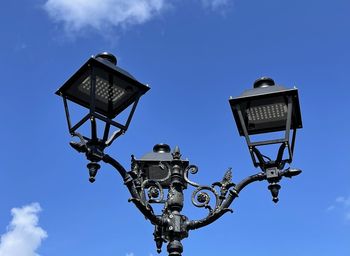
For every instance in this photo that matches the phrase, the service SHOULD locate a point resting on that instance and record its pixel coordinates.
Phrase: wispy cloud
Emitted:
(341, 203)
(216, 4)
(23, 236)
(103, 15)
(77, 15)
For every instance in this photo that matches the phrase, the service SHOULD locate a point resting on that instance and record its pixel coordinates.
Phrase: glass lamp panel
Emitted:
(265, 115)
(105, 92)
(112, 94)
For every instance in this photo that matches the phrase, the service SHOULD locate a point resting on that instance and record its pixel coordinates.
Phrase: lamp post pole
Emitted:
(161, 176)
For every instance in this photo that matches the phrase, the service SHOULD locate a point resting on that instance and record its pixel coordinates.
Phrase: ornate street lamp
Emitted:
(106, 90)
(265, 109)
(161, 176)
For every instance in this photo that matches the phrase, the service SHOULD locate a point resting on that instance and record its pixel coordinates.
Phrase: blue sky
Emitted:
(194, 54)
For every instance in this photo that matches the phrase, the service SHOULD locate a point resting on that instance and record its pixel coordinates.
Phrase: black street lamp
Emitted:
(106, 90)
(161, 176)
(265, 109)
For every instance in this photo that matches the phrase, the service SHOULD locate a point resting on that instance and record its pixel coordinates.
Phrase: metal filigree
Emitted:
(225, 184)
(193, 169)
(172, 226)
(202, 199)
(154, 191)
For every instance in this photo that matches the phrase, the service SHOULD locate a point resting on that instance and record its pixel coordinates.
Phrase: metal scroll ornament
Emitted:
(154, 191)
(201, 195)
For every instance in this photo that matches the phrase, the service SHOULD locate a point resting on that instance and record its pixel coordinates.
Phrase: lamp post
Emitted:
(161, 176)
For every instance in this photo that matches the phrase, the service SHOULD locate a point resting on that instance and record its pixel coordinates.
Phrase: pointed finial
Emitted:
(176, 153)
(227, 179)
(93, 168)
(274, 188)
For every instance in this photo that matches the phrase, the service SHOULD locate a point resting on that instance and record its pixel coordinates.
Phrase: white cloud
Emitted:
(77, 15)
(23, 236)
(330, 208)
(343, 204)
(343, 201)
(216, 4)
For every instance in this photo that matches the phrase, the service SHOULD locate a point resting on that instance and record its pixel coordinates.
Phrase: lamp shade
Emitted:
(264, 108)
(100, 82)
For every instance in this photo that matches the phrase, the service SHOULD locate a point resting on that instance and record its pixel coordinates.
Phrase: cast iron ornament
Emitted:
(171, 226)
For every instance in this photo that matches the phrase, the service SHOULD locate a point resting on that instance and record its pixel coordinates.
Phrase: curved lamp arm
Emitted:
(233, 194)
(95, 153)
(146, 210)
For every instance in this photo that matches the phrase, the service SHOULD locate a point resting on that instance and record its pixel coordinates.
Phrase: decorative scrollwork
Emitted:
(202, 199)
(164, 166)
(225, 184)
(226, 180)
(154, 192)
(193, 169)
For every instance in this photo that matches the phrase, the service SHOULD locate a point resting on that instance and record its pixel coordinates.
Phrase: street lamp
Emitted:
(161, 176)
(265, 109)
(106, 90)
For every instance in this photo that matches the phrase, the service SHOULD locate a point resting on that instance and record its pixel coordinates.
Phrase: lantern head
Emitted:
(267, 108)
(106, 91)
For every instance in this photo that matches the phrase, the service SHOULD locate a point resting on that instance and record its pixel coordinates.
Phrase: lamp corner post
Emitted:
(162, 175)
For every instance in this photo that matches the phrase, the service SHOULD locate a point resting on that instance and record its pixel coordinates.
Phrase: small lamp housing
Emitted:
(106, 90)
(267, 108)
(156, 166)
